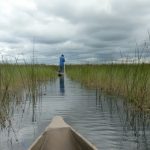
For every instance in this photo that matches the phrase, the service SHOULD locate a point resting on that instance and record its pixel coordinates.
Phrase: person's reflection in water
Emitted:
(62, 85)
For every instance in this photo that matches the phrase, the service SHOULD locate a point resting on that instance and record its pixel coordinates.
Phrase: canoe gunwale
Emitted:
(58, 123)
(84, 139)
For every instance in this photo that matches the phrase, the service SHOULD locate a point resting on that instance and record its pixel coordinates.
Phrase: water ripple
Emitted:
(106, 121)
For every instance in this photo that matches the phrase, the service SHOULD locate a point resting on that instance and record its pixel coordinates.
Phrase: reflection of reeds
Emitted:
(14, 77)
(133, 122)
(129, 80)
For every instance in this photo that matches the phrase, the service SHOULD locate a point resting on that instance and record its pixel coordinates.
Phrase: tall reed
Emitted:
(131, 81)
(14, 77)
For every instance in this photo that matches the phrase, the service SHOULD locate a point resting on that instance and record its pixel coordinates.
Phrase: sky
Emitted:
(85, 31)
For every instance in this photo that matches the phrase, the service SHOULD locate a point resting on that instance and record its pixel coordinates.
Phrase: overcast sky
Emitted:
(85, 31)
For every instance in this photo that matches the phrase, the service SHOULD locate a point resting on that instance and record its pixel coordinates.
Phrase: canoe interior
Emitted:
(60, 136)
(61, 139)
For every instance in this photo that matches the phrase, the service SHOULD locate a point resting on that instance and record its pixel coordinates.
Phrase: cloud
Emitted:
(83, 30)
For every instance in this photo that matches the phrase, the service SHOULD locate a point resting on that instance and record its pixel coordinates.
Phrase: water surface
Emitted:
(108, 122)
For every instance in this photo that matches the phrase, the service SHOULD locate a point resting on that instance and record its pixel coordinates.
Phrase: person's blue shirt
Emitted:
(62, 60)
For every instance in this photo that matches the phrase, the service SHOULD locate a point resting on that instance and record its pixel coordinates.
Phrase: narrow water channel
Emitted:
(106, 121)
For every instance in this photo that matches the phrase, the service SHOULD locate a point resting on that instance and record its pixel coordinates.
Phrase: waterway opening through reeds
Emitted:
(107, 121)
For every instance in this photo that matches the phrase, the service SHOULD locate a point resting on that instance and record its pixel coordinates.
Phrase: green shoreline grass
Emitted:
(16, 77)
(131, 81)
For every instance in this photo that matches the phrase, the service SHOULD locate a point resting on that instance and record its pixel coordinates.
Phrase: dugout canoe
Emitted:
(60, 73)
(61, 136)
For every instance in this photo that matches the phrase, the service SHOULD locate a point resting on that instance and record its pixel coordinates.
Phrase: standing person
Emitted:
(61, 63)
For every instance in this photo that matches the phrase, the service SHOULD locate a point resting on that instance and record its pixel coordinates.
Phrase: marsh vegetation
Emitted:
(131, 81)
(15, 78)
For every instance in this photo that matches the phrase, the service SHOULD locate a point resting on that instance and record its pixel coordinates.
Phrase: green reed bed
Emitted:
(16, 77)
(131, 81)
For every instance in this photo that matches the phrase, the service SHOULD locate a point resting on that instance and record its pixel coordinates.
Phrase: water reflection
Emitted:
(108, 122)
(135, 125)
(62, 85)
